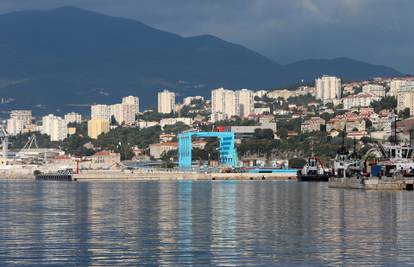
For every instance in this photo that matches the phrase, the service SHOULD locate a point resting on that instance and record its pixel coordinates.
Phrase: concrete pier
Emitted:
(171, 175)
(373, 183)
(17, 176)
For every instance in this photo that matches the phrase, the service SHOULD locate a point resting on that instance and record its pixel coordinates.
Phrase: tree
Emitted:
(290, 124)
(368, 123)
(176, 128)
(113, 121)
(236, 122)
(340, 106)
(366, 140)
(155, 116)
(125, 151)
(404, 114)
(263, 134)
(123, 139)
(42, 140)
(81, 128)
(169, 155)
(297, 163)
(282, 133)
(74, 145)
(327, 116)
(388, 102)
(301, 99)
(257, 146)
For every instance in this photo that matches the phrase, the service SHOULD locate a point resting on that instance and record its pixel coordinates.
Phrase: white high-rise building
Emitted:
(405, 97)
(246, 102)
(132, 100)
(395, 86)
(55, 127)
(166, 102)
(123, 113)
(328, 88)
(224, 104)
(100, 112)
(18, 121)
(73, 117)
(15, 126)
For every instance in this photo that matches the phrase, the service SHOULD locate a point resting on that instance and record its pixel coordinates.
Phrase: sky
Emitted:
(375, 31)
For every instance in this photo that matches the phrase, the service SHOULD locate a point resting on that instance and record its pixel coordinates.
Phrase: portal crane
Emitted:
(4, 138)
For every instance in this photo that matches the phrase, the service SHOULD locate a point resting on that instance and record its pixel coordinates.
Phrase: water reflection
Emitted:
(202, 223)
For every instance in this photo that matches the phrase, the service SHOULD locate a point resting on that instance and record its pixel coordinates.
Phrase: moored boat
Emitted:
(314, 171)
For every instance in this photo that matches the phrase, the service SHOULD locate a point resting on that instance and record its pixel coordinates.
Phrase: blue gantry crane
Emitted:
(228, 155)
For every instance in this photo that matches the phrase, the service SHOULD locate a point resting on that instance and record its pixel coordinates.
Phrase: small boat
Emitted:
(314, 171)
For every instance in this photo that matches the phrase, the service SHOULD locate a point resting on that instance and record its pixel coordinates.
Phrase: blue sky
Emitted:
(376, 31)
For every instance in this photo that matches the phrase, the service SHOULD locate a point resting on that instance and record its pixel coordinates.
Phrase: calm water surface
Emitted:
(202, 223)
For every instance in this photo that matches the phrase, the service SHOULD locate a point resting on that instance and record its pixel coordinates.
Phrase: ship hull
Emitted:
(313, 178)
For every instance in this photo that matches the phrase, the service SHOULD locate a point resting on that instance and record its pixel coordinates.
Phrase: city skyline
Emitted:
(206, 133)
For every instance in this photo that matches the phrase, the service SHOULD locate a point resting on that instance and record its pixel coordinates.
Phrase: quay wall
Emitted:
(117, 175)
(371, 184)
(17, 176)
(170, 176)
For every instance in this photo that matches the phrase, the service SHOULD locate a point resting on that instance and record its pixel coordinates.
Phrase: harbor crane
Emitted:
(4, 138)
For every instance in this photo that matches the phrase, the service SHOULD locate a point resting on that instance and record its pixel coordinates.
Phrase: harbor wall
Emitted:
(372, 183)
(168, 176)
(16, 176)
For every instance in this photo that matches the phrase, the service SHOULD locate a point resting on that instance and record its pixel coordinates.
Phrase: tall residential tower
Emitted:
(328, 88)
(166, 102)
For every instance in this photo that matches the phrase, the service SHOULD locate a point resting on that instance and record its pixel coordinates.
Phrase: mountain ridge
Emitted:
(70, 55)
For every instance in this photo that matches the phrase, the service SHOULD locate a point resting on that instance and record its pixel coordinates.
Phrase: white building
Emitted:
(123, 113)
(246, 102)
(328, 88)
(15, 126)
(265, 110)
(172, 121)
(375, 89)
(166, 102)
(18, 121)
(224, 104)
(73, 117)
(132, 100)
(55, 127)
(395, 86)
(187, 100)
(218, 116)
(405, 97)
(100, 112)
(359, 100)
(146, 124)
(260, 93)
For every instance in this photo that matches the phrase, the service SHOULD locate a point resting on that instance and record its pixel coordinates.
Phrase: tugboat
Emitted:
(346, 163)
(392, 171)
(314, 171)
